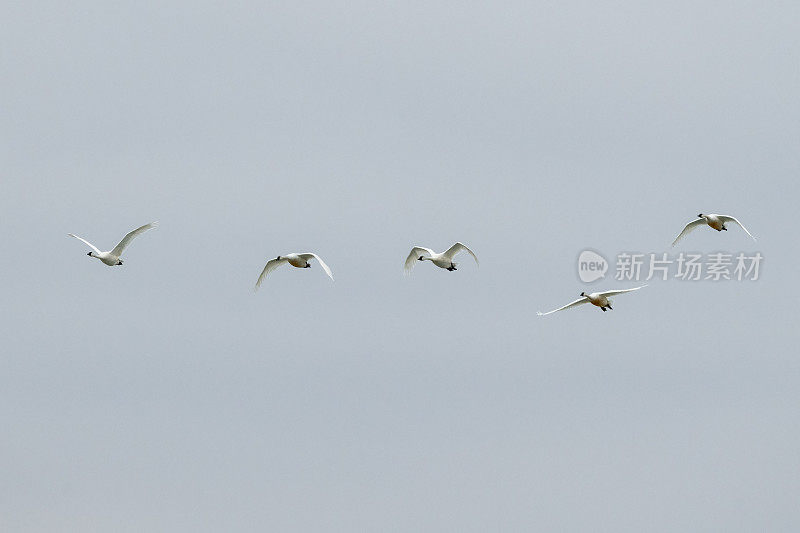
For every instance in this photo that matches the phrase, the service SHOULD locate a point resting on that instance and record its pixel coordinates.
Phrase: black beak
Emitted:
(90, 253)
(420, 258)
(700, 215)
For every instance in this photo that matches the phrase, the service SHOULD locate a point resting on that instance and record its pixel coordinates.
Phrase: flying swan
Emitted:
(112, 258)
(600, 299)
(442, 260)
(296, 260)
(715, 221)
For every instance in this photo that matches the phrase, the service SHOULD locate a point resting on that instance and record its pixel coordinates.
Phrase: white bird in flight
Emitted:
(296, 260)
(112, 258)
(600, 299)
(715, 221)
(442, 260)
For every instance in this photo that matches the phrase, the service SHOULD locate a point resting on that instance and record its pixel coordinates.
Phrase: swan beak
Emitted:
(420, 258)
(89, 254)
(700, 215)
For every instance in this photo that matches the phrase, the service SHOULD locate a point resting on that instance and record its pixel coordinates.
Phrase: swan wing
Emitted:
(126, 240)
(688, 229)
(414, 255)
(271, 265)
(457, 247)
(620, 291)
(92, 246)
(728, 218)
(310, 255)
(580, 301)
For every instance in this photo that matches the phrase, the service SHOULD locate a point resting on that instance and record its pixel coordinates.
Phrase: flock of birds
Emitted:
(418, 253)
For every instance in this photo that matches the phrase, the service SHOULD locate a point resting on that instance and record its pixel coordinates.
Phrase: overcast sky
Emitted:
(163, 395)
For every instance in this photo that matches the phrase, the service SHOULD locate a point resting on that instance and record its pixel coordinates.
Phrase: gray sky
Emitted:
(165, 396)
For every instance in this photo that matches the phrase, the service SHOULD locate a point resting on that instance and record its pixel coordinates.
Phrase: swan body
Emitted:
(441, 260)
(600, 299)
(112, 257)
(296, 260)
(715, 221)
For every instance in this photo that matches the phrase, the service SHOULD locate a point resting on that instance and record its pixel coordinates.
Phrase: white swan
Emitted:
(600, 299)
(112, 258)
(715, 221)
(296, 260)
(442, 260)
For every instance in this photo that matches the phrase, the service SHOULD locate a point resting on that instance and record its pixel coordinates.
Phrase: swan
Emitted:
(715, 221)
(600, 299)
(112, 258)
(442, 260)
(294, 259)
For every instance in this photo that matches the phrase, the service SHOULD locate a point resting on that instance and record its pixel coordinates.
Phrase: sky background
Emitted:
(164, 395)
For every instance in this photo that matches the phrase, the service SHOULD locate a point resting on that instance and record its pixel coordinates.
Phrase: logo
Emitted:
(591, 266)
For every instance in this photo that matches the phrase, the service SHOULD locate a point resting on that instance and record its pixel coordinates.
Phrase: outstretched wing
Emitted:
(413, 257)
(612, 293)
(271, 265)
(728, 218)
(688, 229)
(126, 240)
(309, 255)
(92, 246)
(457, 247)
(580, 301)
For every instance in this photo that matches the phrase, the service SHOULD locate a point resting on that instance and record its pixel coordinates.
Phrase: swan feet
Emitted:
(452, 267)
